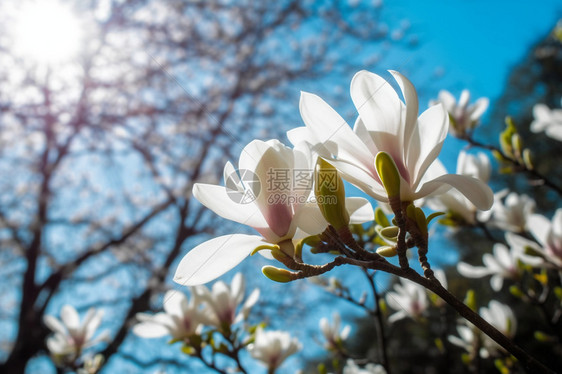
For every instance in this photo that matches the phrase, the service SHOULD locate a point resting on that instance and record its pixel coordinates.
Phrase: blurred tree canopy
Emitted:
(98, 154)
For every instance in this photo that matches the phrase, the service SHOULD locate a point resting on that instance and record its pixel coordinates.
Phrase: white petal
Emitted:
(331, 130)
(473, 189)
(359, 209)
(91, 324)
(310, 219)
(554, 132)
(54, 324)
(215, 257)
(70, 317)
(173, 300)
(150, 330)
(447, 99)
(366, 181)
(411, 98)
(217, 199)
(470, 271)
(496, 282)
(426, 142)
(480, 107)
(539, 226)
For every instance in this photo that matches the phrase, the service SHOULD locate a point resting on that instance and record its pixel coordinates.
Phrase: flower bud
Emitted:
(527, 160)
(389, 232)
(388, 173)
(387, 251)
(330, 194)
(278, 275)
(380, 217)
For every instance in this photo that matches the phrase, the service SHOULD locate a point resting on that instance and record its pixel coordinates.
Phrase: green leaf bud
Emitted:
(278, 275)
(388, 173)
(330, 194)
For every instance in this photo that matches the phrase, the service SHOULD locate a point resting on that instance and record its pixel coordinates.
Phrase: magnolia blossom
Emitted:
(280, 207)
(181, 318)
(547, 120)
(455, 203)
(272, 348)
(503, 264)
(464, 117)
(70, 336)
(386, 124)
(221, 302)
(352, 368)
(334, 337)
(511, 211)
(409, 299)
(498, 315)
(549, 236)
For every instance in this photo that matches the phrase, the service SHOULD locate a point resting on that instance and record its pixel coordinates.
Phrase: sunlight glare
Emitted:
(47, 32)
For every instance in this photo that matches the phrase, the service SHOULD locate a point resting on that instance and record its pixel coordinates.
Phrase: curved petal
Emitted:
(215, 257)
(539, 226)
(310, 219)
(378, 105)
(470, 271)
(496, 282)
(54, 324)
(365, 181)
(412, 106)
(359, 209)
(222, 202)
(479, 108)
(173, 300)
(331, 130)
(150, 330)
(554, 131)
(426, 142)
(473, 189)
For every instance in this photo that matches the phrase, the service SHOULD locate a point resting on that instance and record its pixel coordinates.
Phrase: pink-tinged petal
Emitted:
(70, 317)
(426, 142)
(470, 271)
(215, 257)
(412, 107)
(222, 202)
(378, 105)
(554, 131)
(359, 209)
(54, 324)
(473, 189)
(310, 219)
(539, 226)
(332, 131)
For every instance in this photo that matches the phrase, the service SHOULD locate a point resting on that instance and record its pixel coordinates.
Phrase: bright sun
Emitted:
(46, 31)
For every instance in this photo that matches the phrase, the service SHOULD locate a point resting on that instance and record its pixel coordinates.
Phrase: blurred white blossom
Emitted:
(222, 301)
(181, 318)
(408, 298)
(352, 368)
(511, 211)
(502, 264)
(70, 336)
(464, 117)
(547, 120)
(272, 348)
(549, 235)
(334, 337)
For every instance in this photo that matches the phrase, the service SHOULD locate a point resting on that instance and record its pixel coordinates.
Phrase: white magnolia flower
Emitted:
(502, 264)
(221, 302)
(352, 368)
(272, 348)
(386, 124)
(334, 337)
(409, 299)
(180, 320)
(70, 336)
(549, 235)
(547, 120)
(455, 203)
(511, 211)
(464, 117)
(498, 315)
(279, 206)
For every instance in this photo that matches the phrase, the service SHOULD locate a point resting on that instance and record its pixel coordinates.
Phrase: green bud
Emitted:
(278, 275)
(381, 218)
(527, 159)
(434, 215)
(421, 221)
(516, 291)
(498, 155)
(501, 366)
(389, 232)
(558, 292)
(388, 173)
(439, 344)
(517, 145)
(470, 299)
(387, 251)
(188, 350)
(330, 194)
(544, 337)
